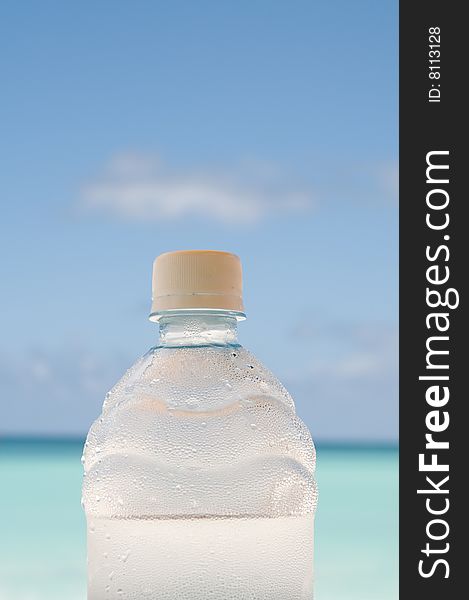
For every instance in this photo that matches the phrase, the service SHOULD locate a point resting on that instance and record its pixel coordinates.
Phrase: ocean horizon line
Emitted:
(325, 444)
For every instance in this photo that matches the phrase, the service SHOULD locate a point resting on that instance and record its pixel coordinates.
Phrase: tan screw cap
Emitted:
(196, 279)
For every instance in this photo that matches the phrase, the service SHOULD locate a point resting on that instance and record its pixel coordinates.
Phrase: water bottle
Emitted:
(198, 475)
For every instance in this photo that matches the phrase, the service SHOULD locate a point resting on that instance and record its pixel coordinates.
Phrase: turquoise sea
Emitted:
(42, 527)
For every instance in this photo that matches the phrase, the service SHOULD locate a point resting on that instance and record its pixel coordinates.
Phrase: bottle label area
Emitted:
(196, 559)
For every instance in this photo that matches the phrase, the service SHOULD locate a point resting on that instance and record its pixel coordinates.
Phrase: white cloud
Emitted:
(54, 392)
(363, 351)
(140, 187)
(358, 182)
(347, 388)
(358, 365)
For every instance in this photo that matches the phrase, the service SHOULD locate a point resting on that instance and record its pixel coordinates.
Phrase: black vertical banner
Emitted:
(434, 240)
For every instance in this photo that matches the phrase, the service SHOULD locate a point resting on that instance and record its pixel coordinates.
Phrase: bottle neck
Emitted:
(216, 328)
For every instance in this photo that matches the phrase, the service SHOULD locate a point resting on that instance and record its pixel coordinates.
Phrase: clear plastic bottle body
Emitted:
(199, 476)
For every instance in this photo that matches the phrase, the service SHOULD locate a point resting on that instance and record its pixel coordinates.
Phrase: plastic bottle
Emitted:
(199, 476)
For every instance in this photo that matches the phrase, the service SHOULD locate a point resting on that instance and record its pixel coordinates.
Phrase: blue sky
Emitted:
(264, 128)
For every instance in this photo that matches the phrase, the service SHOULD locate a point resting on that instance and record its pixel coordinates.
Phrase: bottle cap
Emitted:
(196, 279)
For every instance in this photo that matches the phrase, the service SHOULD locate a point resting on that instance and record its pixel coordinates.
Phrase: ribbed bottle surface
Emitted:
(199, 475)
